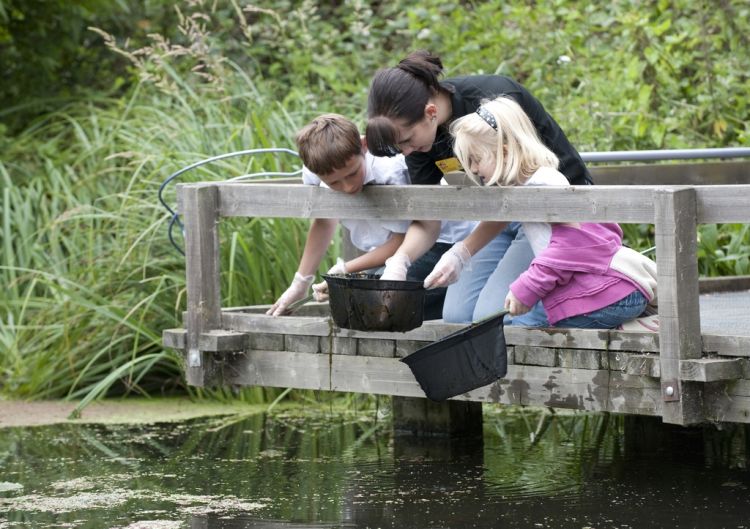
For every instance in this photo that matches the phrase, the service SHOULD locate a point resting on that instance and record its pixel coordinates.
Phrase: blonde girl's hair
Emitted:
(515, 145)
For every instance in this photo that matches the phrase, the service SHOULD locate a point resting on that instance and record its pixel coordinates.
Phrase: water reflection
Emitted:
(322, 469)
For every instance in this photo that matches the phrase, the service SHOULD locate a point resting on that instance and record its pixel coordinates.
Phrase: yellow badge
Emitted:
(449, 165)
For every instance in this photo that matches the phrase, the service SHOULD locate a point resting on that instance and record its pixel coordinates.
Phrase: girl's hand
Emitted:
(514, 306)
(338, 269)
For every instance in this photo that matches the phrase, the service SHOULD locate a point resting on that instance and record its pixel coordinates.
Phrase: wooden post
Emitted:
(423, 417)
(679, 316)
(200, 214)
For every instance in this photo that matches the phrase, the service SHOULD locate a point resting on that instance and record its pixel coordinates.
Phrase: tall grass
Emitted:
(90, 280)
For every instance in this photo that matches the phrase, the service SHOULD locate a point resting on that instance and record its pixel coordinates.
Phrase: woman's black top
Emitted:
(467, 93)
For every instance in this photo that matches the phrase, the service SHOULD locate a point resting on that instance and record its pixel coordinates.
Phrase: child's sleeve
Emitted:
(537, 282)
(309, 178)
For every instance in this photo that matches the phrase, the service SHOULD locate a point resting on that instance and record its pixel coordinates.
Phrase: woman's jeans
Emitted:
(481, 289)
(628, 308)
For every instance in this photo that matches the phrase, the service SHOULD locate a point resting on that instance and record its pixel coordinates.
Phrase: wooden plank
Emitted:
(202, 276)
(629, 204)
(302, 343)
(323, 326)
(728, 401)
(727, 345)
(267, 342)
(174, 338)
(535, 356)
(682, 173)
(338, 346)
(407, 347)
(709, 285)
(593, 390)
(221, 341)
(382, 348)
(723, 204)
(579, 358)
(679, 316)
(643, 365)
(711, 369)
(642, 342)
(575, 203)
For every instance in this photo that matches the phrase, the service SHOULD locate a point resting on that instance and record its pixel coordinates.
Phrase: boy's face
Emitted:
(350, 178)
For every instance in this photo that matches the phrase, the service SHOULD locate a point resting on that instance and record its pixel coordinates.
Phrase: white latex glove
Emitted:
(396, 267)
(514, 305)
(449, 267)
(338, 269)
(320, 291)
(296, 291)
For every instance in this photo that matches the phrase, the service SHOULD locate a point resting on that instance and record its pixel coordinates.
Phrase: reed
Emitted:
(90, 277)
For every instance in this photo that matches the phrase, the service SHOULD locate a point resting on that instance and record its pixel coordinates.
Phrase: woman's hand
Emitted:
(396, 267)
(449, 267)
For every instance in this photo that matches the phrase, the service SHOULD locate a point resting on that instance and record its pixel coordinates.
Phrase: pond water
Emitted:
(331, 469)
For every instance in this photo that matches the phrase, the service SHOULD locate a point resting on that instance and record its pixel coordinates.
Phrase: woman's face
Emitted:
(418, 137)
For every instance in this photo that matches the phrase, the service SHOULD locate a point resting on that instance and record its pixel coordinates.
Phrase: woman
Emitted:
(410, 110)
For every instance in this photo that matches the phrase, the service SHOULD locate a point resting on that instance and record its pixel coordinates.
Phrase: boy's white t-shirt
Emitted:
(369, 234)
(540, 233)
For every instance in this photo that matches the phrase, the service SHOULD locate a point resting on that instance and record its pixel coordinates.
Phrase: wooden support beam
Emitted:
(679, 316)
(200, 217)
(579, 389)
(215, 341)
(711, 369)
(174, 338)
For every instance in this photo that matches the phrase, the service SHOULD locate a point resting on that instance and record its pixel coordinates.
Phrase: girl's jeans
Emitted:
(481, 289)
(628, 308)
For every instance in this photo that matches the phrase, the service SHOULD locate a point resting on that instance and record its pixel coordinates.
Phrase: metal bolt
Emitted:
(669, 391)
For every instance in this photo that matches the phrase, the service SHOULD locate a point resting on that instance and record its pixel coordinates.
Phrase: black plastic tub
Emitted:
(468, 359)
(365, 303)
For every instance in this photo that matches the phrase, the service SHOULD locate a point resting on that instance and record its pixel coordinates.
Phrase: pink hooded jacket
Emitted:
(572, 276)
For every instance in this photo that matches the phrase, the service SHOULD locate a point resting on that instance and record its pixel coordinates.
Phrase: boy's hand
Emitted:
(396, 267)
(296, 291)
(336, 270)
(449, 267)
(514, 305)
(320, 291)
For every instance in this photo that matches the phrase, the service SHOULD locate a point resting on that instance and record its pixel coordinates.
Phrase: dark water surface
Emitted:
(316, 469)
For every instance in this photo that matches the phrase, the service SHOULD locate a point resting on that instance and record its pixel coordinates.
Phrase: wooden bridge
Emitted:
(695, 369)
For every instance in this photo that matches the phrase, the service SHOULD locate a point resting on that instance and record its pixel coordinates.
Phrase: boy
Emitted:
(335, 156)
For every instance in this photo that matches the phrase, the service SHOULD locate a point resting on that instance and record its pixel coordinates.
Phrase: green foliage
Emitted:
(97, 118)
(628, 76)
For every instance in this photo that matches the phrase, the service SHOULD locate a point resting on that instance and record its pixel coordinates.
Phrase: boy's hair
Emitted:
(327, 143)
(515, 144)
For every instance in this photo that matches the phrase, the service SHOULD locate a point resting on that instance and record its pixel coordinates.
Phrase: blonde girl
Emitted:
(582, 274)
